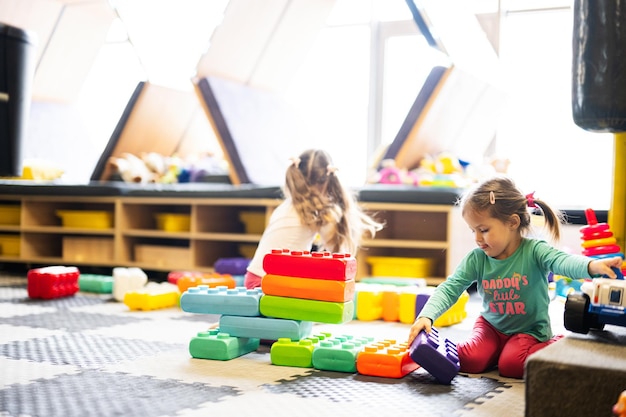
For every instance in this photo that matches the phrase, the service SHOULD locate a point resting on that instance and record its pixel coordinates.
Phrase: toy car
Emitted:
(601, 301)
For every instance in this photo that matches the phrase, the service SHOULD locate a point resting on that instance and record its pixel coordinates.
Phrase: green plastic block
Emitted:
(221, 346)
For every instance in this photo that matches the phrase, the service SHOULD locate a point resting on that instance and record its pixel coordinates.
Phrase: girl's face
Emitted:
(497, 239)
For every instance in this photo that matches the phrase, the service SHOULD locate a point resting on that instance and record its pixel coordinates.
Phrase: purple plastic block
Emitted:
(436, 355)
(232, 266)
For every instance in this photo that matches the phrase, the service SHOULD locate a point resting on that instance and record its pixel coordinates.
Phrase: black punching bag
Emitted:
(599, 65)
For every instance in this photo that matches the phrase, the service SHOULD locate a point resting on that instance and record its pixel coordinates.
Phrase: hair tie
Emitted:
(330, 170)
(492, 197)
(295, 161)
(530, 198)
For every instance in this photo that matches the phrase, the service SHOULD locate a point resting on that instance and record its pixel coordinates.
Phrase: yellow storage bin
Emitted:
(10, 215)
(86, 219)
(388, 266)
(9, 245)
(173, 222)
(253, 221)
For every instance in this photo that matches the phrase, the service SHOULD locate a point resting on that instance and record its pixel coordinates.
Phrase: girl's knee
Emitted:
(474, 361)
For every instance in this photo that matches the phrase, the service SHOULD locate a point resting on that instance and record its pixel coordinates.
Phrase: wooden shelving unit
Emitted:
(216, 230)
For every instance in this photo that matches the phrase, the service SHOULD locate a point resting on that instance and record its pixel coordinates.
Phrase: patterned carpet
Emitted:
(88, 355)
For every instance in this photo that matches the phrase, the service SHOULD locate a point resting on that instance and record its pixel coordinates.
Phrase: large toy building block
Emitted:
(435, 354)
(102, 284)
(369, 302)
(386, 359)
(153, 297)
(265, 328)
(127, 279)
(339, 353)
(454, 314)
(319, 265)
(52, 282)
(231, 266)
(309, 310)
(411, 301)
(187, 279)
(286, 352)
(308, 288)
(218, 345)
(221, 300)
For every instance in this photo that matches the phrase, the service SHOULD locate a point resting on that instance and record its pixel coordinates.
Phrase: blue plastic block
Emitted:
(265, 327)
(221, 300)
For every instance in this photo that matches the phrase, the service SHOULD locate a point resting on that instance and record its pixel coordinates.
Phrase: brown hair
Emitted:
(500, 199)
(321, 201)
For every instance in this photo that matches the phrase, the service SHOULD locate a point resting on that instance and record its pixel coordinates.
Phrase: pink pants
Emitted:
(251, 281)
(487, 348)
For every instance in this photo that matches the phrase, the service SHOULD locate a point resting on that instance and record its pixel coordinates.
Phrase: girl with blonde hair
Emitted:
(316, 204)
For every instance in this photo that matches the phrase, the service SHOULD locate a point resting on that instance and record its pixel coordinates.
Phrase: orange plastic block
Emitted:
(391, 305)
(188, 279)
(386, 359)
(308, 288)
(320, 265)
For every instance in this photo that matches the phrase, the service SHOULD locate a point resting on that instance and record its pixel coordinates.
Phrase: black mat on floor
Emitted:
(87, 355)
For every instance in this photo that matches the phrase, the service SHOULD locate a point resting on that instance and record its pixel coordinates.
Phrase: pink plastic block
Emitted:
(320, 265)
(52, 282)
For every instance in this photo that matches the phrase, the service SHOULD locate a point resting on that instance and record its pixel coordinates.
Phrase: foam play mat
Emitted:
(88, 354)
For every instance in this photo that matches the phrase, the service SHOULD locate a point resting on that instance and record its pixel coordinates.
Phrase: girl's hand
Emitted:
(603, 266)
(422, 323)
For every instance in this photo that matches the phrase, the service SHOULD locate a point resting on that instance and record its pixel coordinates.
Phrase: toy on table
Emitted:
(601, 301)
(598, 241)
(436, 354)
(52, 282)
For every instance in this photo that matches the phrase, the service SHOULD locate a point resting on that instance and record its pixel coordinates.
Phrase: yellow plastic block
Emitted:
(369, 302)
(153, 297)
(454, 314)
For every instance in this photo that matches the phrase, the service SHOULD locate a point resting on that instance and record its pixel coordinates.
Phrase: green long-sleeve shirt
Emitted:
(514, 291)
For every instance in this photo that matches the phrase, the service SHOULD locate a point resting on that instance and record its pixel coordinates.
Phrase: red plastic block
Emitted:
(386, 359)
(308, 288)
(52, 282)
(319, 265)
